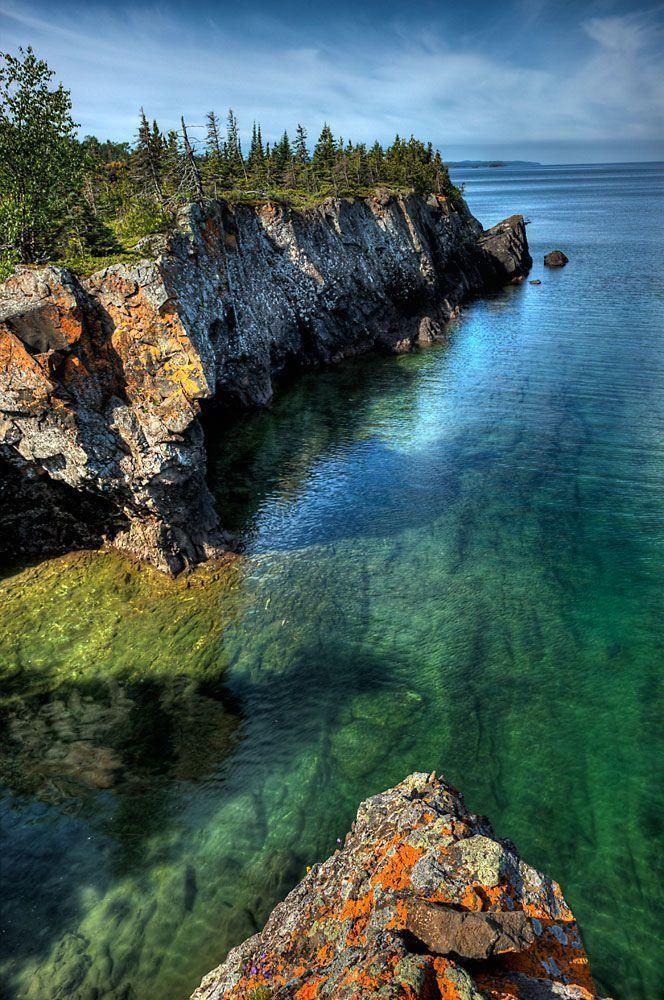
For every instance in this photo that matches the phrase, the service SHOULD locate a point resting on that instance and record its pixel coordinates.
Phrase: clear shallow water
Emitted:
(454, 560)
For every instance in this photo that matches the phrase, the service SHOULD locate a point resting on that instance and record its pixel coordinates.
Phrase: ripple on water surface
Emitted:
(453, 561)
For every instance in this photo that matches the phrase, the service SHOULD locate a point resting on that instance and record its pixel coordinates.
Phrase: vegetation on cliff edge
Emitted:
(86, 202)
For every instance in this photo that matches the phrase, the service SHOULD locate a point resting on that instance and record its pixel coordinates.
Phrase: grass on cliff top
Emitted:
(127, 232)
(130, 231)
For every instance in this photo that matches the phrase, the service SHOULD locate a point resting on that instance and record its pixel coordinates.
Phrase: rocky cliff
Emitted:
(102, 379)
(421, 902)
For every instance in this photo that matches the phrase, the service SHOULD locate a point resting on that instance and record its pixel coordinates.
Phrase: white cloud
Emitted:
(626, 34)
(370, 83)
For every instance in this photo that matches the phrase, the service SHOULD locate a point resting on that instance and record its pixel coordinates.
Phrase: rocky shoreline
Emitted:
(102, 379)
(421, 902)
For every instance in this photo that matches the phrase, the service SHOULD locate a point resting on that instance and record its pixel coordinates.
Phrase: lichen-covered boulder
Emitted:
(421, 902)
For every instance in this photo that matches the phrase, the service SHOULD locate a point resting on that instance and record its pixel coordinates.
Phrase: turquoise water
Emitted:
(453, 560)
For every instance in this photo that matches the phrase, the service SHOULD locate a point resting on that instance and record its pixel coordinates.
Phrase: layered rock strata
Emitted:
(422, 902)
(102, 379)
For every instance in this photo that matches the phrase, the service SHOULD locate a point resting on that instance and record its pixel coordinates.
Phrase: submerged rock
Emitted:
(102, 379)
(556, 258)
(421, 901)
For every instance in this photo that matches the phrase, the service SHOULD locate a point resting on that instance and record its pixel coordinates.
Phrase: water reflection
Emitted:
(452, 560)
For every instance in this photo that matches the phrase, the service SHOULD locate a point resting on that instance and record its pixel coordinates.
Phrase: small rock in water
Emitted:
(555, 259)
(535, 281)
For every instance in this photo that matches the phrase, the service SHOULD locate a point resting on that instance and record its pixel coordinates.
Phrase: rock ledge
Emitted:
(422, 902)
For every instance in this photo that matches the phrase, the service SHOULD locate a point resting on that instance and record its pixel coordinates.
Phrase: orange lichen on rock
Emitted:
(394, 871)
(309, 991)
(358, 912)
(348, 931)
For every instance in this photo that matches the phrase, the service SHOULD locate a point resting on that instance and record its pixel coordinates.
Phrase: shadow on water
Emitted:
(251, 455)
(107, 759)
(111, 767)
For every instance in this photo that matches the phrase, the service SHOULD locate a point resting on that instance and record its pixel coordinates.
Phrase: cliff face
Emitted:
(421, 902)
(101, 379)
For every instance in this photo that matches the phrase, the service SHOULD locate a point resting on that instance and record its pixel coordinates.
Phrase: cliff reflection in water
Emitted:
(106, 757)
(114, 735)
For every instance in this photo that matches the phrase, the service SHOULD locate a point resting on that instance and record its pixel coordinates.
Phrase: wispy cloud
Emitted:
(598, 80)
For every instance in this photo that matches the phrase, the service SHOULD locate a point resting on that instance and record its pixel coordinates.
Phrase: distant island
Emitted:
(493, 163)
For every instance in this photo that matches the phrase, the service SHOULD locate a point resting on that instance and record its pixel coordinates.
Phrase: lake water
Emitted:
(454, 560)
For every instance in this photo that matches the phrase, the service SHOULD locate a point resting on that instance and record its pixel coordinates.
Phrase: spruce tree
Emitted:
(213, 145)
(324, 158)
(300, 151)
(256, 158)
(375, 158)
(282, 158)
(172, 166)
(215, 168)
(234, 158)
(301, 171)
(147, 160)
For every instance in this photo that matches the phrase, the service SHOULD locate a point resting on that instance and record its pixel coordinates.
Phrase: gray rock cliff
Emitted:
(102, 379)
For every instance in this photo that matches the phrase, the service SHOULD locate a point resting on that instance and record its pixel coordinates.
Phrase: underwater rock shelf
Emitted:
(421, 902)
(102, 379)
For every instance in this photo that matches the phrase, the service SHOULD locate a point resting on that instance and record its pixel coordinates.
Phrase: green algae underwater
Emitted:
(452, 560)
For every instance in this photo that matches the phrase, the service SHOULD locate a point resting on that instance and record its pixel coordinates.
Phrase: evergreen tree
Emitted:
(192, 180)
(213, 143)
(282, 158)
(216, 167)
(234, 158)
(41, 162)
(148, 159)
(375, 158)
(357, 164)
(256, 158)
(325, 155)
(300, 151)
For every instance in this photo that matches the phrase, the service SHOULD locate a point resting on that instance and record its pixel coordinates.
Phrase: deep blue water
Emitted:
(455, 560)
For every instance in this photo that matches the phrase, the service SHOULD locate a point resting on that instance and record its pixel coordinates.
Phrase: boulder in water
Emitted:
(556, 258)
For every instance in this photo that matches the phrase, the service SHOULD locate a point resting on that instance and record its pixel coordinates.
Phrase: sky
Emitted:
(557, 81)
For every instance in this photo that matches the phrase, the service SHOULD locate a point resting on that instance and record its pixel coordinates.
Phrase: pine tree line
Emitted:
(61, 198)
(165, 166)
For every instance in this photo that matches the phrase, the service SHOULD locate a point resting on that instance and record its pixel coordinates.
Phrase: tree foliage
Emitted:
(41, 160)
(61, 197)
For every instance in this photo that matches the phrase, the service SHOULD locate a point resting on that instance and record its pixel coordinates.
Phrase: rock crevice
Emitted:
(102, 379)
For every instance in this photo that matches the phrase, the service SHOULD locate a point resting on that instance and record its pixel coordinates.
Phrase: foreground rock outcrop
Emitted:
(102, 379)
(422, 902)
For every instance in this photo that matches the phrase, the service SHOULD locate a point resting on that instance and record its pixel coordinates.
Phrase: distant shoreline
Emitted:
(493, 163)
(472, 164)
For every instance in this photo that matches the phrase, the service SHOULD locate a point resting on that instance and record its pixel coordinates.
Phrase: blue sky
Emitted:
(548, 80)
